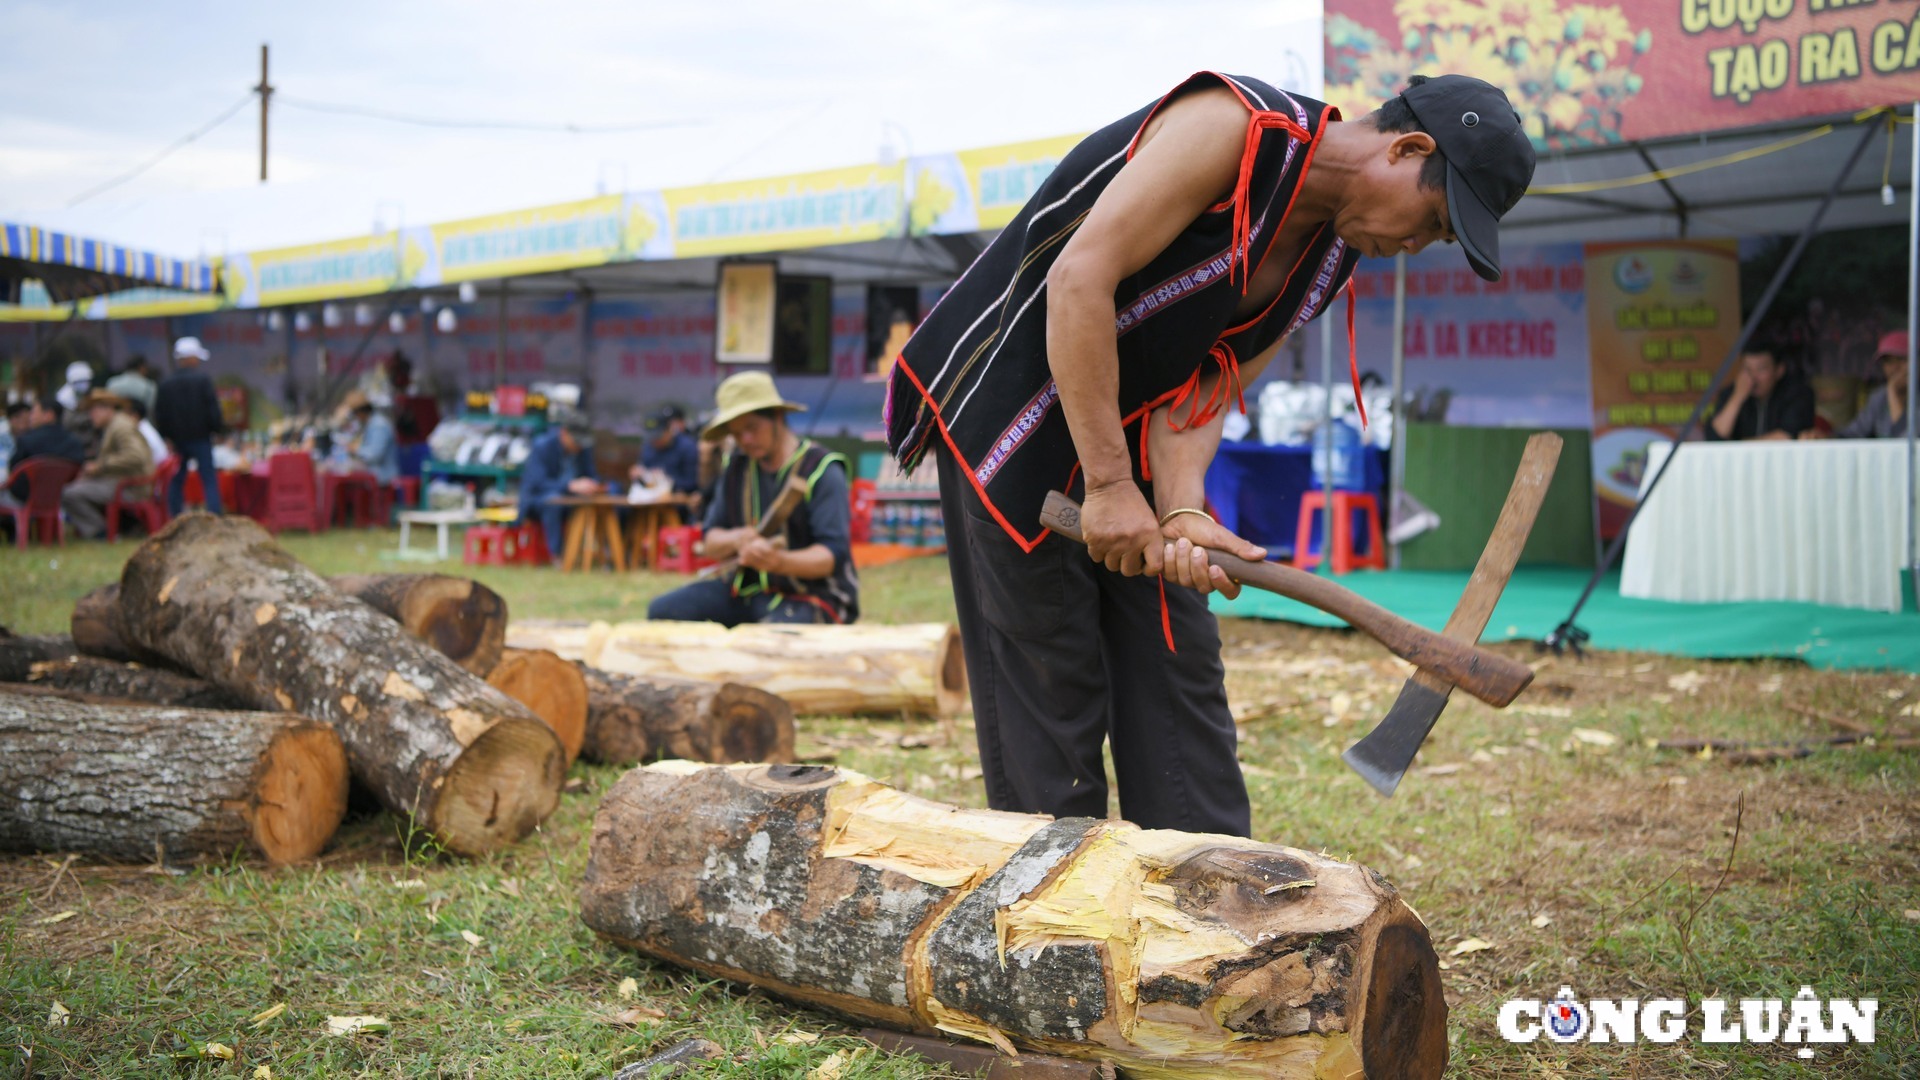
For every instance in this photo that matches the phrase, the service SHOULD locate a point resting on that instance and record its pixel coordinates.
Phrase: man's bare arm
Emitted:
(1187, 161)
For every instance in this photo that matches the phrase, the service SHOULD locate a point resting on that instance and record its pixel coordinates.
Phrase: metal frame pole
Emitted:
(1913, 364)
(1397, 450)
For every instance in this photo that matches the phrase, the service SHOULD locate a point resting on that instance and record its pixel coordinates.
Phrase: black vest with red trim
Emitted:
(975, 374)
(744, 495)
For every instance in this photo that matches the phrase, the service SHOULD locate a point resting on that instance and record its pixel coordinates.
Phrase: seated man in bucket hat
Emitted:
(811, 578)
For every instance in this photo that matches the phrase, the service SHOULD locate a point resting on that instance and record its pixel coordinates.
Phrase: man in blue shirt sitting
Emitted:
(377, 450)
(560, 463)
(669, 455)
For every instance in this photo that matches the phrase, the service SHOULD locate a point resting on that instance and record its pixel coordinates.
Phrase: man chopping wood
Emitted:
(1096, 346)
(791, 554)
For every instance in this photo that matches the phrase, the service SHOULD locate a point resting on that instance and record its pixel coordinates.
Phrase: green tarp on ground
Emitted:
(1537, 599)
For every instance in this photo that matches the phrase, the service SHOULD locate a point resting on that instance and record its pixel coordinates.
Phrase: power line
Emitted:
(494, 125)
(164, 154)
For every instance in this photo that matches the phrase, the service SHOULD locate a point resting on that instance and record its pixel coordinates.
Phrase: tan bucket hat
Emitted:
(747, 392)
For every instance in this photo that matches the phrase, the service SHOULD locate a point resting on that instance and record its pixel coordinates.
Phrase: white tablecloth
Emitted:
(1818, 521)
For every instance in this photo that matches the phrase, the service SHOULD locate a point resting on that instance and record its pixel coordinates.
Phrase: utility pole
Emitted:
(265, 90)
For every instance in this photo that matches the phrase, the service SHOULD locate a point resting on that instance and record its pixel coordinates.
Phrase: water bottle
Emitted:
(1345, 468)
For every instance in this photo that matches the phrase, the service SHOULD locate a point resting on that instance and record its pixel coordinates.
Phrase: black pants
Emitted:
(1064, 654)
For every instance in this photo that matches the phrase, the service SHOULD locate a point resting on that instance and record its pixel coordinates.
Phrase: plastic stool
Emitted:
(1345, 504)
(487, 545)
(677, 550)
(527, 545)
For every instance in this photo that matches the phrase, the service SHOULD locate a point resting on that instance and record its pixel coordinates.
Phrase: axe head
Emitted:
(1382, 757)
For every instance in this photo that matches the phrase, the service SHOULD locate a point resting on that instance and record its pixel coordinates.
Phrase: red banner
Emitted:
(1595, 74)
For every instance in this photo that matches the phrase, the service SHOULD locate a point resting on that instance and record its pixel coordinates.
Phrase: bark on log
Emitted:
(121, 779)
(19, 652)
(462, 618)
(838, 670)
(631, 719)
(553, 689)
(96, 678)
(218, 597)
(98, 631)
(1169, 954)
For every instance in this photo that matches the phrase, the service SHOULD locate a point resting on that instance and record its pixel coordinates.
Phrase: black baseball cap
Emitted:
(1489, 158)
(665, 415)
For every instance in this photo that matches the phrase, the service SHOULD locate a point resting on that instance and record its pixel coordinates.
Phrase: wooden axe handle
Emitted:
(772, 522)
(1486, 675)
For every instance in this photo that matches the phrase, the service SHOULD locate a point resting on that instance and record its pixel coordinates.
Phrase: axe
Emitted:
(771, 525)
(1488, 676)
(1382, 756)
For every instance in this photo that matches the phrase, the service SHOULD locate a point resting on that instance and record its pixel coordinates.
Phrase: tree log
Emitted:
(121, 779)
(1168, 954)
(554, 689)
(19, 652)
(218, 597)
(98, 631)
(96, 678)
(631, 719)
(462, 618)
(837, 670)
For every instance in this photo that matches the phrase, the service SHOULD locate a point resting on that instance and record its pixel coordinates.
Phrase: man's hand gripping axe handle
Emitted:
(1488, 676)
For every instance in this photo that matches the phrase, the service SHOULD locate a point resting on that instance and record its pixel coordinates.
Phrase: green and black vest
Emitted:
(838, 593)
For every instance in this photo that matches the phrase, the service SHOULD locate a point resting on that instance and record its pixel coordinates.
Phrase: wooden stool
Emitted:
(1340, 541)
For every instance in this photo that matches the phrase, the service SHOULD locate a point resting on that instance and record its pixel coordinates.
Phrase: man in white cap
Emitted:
(811, 578)
(79, 381)
(186, 412)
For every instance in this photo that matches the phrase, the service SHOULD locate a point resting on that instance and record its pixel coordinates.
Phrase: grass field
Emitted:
(1554, 833)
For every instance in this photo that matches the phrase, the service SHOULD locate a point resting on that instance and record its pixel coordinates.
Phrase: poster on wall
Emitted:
(745, 313)
(1661, 316)
(1507, 353)
(1595, 74)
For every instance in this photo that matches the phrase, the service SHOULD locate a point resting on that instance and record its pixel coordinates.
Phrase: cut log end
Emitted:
(751, 724)
(1403, 1031)
(506, 782)
(462, 619)
(300, 794)
(553, 688)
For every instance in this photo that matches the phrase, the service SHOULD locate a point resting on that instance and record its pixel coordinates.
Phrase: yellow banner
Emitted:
(1002, 178)
(298, 275)
(560, 237)
(835, 206)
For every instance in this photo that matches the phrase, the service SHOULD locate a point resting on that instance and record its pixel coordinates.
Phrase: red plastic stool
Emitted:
(1345, 504)
(527, 545)
(487, 545)
(407, 488)
(677, 549)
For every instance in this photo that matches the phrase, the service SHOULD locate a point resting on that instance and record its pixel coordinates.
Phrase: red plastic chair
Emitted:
(293, 497)
(1345, 505)
(149, 510)
(46, 478)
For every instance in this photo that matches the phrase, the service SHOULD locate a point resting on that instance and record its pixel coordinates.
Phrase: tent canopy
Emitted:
(75, 268)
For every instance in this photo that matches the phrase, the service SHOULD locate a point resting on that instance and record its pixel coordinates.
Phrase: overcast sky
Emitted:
(738, 89)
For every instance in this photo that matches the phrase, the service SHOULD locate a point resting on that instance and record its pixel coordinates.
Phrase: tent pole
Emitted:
(1913, 367)
(1397, 450)
(1567, 634)
(1325, 435)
